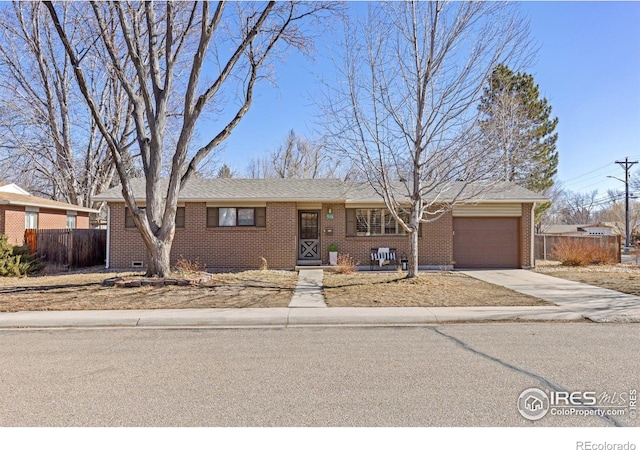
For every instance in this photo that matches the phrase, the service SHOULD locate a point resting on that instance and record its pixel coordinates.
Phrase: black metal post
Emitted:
(626, 165)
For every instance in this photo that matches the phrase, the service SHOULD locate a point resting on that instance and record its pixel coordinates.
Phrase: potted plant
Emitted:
(333, 254)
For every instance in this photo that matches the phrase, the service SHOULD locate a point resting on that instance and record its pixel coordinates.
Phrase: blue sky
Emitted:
(587, 66)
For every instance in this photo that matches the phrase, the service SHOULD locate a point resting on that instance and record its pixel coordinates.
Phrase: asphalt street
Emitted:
(441, 375)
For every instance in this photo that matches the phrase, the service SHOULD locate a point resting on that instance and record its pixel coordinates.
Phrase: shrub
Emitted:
(582, 252)
(17, 261)
(187, 266)
(345, 264)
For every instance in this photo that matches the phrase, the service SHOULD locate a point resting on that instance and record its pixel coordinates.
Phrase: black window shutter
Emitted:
(261, 217)
(180, 217)
(212, 217)
(351, 221)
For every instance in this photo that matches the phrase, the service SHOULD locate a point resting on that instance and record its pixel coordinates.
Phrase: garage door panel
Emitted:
(486, 242)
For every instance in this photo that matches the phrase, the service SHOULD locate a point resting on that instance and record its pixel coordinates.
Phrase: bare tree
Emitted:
(297, 157)
(158, 51)
(615, 213)
(259, 167)
(552, 214)
(579, 208)
(407, 116)
(53, 144)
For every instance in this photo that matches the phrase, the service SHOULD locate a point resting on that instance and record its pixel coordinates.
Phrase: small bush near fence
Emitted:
(583, 252)
(16, 261)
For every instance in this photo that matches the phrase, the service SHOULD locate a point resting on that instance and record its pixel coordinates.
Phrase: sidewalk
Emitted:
(277, 317)
(575, 301)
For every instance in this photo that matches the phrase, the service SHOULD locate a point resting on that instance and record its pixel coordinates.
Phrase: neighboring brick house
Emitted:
(232, 223)
(20, 210)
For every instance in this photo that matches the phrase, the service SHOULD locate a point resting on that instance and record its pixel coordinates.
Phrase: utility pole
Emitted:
(626, 165)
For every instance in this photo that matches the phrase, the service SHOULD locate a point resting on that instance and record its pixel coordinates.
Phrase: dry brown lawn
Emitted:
(428, 289)
(84, 291)
(619, 277)
(251, 289)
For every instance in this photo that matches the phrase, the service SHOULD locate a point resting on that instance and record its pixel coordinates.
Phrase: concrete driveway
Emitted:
(595, 303)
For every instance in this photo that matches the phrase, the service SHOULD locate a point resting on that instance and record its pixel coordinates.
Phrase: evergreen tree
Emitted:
(225, 172)
(518, 125)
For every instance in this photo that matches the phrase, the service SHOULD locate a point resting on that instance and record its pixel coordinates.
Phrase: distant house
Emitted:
(19, 210)
(232, 223)
(598, 229)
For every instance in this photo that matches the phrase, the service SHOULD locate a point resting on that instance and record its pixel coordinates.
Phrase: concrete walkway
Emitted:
(595, 303)
(308, 293)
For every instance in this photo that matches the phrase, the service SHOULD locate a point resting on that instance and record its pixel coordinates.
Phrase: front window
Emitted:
(31, 220)
(232, 217)
(246, 217)
(376, 222)
(71, 221)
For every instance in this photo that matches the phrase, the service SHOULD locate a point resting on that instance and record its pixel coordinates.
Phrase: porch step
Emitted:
(324, 268)
(308, 262)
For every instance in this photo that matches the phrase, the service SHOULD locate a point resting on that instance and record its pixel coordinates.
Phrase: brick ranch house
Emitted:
(19, 210)
(232, 223)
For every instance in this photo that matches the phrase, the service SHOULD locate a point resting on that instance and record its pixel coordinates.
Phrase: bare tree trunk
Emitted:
(159, 262)
(412, 268)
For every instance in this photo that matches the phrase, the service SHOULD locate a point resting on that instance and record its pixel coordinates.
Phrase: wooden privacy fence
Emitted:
(544, 244)
(70, 248)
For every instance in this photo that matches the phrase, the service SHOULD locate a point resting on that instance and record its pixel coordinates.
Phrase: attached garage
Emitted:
(481, 240)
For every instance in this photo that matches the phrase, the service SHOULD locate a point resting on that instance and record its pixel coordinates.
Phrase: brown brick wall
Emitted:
(12, 217)
(221, 247)
(525, 235)
(242, 247)
(52, 219)
(82, 221)
(12, 221)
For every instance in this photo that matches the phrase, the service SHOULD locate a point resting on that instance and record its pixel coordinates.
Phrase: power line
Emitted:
(588, 180)
(587, 173)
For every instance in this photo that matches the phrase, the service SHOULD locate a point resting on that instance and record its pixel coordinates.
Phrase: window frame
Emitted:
(27, 222)
(73, 217)
(376, 219)
(258, 217)
(236, 216)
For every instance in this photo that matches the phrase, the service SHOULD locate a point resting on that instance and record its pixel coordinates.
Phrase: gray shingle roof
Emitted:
(313, 190)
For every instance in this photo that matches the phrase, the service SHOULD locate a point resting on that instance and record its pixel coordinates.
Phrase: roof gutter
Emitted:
(47, 206)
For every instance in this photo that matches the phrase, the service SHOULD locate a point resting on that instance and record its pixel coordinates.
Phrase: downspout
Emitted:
(108, 236)
(532, 255)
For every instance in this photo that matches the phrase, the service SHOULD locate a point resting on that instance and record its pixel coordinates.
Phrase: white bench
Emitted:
(383, 255)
